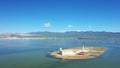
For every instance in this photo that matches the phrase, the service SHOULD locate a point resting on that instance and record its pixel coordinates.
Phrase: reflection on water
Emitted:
(34, 54)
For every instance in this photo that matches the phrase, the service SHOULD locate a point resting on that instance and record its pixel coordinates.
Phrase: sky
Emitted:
(59, 15)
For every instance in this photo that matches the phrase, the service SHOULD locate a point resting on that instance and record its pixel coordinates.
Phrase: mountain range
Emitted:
(62, 35)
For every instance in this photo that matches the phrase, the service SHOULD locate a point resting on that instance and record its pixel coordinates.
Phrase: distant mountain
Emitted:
(62, 35)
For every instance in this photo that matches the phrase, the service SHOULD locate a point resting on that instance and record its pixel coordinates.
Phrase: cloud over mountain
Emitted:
(46, 25)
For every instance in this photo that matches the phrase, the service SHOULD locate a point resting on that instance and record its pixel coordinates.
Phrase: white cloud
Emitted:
(46, 25)
(78, 30)
(69, 26)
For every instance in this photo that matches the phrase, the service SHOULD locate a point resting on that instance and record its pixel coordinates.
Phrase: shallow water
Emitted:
(34, 54)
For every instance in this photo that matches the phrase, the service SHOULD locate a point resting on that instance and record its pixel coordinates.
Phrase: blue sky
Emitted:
(59, 15)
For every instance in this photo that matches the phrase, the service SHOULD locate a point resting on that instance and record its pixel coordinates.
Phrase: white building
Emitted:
(70, 52)
(66, 52)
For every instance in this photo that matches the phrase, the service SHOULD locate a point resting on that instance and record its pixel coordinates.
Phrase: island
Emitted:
(79, 53)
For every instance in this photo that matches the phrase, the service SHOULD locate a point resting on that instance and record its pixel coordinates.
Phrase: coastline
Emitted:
(94, 52)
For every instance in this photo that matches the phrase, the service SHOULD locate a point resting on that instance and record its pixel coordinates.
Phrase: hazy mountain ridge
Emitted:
(62, 35)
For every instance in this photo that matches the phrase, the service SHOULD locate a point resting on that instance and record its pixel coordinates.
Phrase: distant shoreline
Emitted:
(57, 35)
(59, 39)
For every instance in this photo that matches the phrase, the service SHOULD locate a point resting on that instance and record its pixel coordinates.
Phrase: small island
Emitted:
(78, 53)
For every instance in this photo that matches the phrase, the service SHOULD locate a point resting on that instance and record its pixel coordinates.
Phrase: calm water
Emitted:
(33, 54)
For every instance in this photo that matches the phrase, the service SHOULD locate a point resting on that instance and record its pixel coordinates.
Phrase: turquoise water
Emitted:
(34, 54)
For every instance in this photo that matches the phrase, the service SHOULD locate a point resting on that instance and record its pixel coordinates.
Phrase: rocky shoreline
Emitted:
(93, 52)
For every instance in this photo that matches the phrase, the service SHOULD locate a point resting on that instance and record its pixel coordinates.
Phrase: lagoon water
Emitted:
(34, 54)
